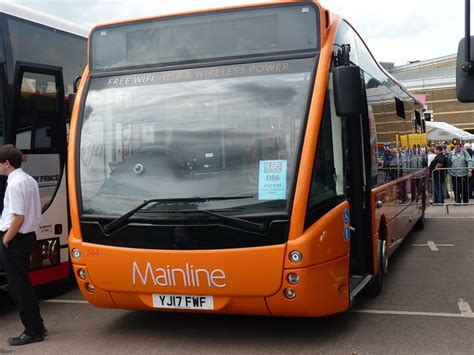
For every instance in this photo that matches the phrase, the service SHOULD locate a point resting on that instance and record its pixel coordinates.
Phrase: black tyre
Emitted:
(375, 287)
(420, 224)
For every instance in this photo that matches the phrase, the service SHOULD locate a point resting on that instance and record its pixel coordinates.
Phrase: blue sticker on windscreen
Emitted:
(272, 180)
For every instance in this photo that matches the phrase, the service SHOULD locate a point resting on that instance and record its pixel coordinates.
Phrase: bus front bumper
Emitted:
(322, 289)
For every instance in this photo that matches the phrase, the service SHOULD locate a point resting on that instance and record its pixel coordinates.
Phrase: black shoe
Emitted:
(24, 339)
(44, 331)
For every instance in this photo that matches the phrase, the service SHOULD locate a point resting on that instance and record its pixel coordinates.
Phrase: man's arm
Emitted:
(15, 225)
(468, 163)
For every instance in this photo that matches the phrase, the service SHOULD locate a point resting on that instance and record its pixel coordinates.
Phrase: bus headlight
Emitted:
(296, 257)
(290, 293)
(82, 274)
(76, 253)
(90, 288)
(293, 278)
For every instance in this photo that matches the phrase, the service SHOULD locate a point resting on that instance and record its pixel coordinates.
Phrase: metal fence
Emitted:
(451, 186)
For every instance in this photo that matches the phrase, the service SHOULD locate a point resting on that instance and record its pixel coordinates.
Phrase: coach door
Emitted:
(351, 105)
(38, 128)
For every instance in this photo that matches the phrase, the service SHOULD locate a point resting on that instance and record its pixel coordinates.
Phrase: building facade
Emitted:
(435, 80)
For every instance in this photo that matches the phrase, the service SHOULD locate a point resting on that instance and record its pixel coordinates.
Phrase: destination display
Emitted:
(260, 30)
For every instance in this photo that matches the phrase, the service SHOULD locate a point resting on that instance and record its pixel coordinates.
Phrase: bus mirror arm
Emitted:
(75, 84)
(467, 34)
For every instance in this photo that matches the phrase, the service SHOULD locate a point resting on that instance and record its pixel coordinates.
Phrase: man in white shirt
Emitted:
(20, 219)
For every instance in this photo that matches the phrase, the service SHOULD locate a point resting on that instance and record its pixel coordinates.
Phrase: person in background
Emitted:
(468, 149)
(387, 159)
(460, 163)
(20, 219)
(440, 161)
(431, 156)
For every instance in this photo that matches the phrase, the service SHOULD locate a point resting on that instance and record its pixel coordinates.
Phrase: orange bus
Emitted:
(226, 161)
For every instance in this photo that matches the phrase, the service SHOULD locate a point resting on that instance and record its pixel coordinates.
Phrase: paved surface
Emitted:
(425, 308)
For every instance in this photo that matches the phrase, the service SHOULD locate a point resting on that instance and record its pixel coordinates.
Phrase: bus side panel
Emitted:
(51, 274)
(325, 247)
(52, 236)
(325, 240)
(322, 290)
(377, 214)
(400, 210)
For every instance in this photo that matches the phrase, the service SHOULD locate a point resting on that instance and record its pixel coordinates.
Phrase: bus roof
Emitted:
(43, 19)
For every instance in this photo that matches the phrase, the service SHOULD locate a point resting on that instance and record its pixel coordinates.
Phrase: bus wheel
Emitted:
(375, 287)
(420, 224)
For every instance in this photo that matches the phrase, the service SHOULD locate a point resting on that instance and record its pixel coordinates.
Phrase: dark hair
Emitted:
(439, 147)
(12, 154)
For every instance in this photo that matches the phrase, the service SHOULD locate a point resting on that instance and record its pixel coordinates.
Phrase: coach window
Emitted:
(27, 46)
(37, 112)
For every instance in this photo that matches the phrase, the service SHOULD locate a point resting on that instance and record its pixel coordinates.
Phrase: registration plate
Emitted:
(182, 301)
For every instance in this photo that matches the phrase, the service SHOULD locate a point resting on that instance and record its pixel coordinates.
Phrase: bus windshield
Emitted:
(229, 131)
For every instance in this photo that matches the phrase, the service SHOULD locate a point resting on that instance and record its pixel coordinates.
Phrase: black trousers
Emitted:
(16, 260)
(460, 188)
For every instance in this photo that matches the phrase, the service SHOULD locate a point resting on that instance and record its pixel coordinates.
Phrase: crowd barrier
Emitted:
(451, 186)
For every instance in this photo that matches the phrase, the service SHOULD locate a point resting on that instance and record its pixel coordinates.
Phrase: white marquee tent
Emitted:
(442, 131)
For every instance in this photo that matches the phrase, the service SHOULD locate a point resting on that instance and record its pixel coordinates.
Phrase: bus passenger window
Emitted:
(37, 112)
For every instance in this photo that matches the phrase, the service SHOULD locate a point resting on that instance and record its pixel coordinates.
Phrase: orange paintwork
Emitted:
(323, 241)
(240, 277)
(255, 278)
(323, 289)
(71, 157)
(312, 131)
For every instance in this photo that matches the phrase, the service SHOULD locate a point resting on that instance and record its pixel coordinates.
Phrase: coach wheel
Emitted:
(420, 224)
(375, 287)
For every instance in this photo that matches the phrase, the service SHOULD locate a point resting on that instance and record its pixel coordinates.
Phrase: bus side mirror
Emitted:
(465, 73)
(348, 90)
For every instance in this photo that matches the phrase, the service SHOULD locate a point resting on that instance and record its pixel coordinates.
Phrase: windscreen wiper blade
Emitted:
(123, 219)
(241, 224)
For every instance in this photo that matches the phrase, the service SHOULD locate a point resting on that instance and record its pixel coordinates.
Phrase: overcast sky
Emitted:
(395, 31)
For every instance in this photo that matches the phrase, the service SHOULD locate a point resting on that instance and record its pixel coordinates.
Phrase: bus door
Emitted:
(38, 128)
(357, 176)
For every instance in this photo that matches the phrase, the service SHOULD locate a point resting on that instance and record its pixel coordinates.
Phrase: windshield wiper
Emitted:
(123, 219)
(242, 224)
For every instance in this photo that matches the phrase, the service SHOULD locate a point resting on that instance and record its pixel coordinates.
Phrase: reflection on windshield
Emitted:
(223, 131)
